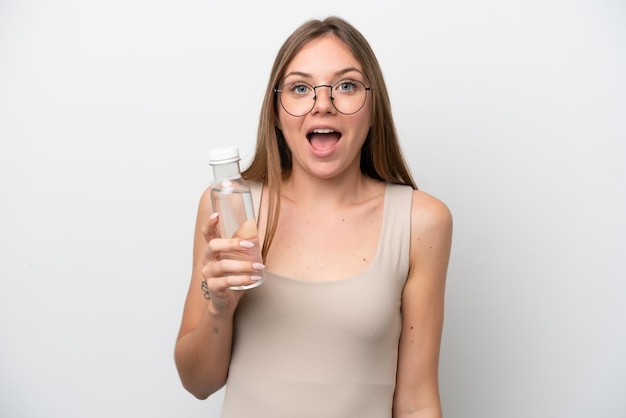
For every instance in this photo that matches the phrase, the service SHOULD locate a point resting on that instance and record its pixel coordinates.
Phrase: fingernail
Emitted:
(246, 244)
(258, 266)
(256, 278)
(214, 216)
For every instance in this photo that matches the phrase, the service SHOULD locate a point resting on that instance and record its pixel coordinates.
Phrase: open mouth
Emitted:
(323, 139)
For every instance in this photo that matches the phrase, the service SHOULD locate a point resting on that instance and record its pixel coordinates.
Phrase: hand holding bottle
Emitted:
(230, 264)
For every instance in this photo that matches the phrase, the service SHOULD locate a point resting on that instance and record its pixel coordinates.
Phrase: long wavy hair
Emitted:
(381, 156)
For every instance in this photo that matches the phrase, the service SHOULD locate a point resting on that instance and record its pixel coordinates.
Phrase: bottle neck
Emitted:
(227, 171)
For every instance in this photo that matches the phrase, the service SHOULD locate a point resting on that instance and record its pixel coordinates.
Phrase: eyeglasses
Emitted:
(347, 96)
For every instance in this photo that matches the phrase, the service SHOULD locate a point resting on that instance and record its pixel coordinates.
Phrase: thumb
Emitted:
(209, 229)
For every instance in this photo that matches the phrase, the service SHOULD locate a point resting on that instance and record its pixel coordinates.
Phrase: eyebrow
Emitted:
(337, 74)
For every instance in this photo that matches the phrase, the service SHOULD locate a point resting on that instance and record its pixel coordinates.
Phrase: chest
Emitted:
(327, 246)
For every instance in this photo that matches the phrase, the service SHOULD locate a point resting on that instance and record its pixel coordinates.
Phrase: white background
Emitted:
(512, 112)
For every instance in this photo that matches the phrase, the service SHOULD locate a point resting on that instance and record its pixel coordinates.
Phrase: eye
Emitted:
(347, 86)
(298, 88)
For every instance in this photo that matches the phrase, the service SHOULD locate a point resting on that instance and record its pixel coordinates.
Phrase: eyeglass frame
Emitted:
(332, 99)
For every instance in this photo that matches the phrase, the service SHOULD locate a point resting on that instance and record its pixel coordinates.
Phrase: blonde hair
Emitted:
(381, 156)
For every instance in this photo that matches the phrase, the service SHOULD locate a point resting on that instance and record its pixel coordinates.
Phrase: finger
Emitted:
(229, 267)
(217, 245)
(220, 285)
(209, 229)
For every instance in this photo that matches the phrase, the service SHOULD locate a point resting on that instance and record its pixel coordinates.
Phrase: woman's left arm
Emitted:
(417, 383)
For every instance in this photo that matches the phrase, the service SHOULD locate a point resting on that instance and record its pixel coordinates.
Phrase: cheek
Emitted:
(370, 114)
(366, 124)
(282, 118)
(283, 121)
(288, 124)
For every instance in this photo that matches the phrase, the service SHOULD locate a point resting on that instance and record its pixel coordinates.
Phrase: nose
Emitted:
(323, 102)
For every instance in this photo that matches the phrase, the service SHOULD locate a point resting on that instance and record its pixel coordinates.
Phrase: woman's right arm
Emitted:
(203, 347)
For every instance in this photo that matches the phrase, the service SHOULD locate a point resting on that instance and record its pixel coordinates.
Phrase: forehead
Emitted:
(323, 57)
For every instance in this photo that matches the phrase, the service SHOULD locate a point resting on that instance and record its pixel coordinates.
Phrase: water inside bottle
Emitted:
(235, 208)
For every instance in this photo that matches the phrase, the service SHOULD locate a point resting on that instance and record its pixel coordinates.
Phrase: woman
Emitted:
(348, 321)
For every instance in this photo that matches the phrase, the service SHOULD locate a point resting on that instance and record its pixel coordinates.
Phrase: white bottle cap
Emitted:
(223, 155)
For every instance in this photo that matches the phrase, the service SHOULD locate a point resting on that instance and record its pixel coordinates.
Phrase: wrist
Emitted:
(220, 313)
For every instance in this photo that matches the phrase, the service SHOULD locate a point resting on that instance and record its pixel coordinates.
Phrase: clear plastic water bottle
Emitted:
(231, 198)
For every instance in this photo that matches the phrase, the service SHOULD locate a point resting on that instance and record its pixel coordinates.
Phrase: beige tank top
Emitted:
(324, 349)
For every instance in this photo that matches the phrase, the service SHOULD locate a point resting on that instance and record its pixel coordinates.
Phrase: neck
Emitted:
(326, 193)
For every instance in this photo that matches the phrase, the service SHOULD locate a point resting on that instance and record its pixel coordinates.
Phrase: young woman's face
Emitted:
(324, 142)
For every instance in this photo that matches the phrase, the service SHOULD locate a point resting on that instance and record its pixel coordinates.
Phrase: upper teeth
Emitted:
(323, 131)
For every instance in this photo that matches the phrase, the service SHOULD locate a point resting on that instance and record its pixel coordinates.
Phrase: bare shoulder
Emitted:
(205, 202)
(431, 230)
(204, 211)
(428, 212)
